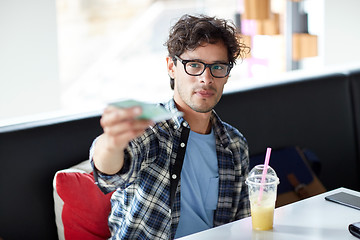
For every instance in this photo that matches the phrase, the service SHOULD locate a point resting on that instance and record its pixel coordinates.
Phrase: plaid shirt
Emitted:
(141, 201)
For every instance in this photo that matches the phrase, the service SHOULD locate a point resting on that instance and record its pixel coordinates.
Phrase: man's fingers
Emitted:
(121, 140)
(127, 126)
(121, 125)
(113, 115)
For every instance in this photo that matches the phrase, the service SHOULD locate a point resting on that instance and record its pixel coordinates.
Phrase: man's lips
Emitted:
(204, 93)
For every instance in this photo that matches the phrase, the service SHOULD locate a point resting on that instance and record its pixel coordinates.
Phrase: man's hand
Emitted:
(120, 126)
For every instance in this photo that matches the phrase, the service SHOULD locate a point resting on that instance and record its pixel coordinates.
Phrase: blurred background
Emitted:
(61, 57)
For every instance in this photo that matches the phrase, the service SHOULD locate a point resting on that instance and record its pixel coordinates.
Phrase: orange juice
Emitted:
(262, 216)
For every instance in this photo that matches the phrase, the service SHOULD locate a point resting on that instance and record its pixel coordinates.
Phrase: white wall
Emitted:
(29, 80)
(341, 32)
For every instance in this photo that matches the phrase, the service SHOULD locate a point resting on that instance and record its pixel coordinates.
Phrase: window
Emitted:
(113, 49)
(61, 57)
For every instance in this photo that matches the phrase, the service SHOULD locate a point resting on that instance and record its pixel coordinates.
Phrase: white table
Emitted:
(312, 218)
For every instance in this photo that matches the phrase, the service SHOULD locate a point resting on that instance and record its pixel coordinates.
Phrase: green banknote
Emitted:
(154, 112)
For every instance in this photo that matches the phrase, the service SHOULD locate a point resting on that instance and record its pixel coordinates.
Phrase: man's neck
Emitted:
(199, 122)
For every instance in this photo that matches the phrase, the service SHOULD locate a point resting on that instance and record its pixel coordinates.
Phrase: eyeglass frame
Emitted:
(184, 62)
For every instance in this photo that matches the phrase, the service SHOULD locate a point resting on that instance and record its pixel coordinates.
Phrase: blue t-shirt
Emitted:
(199, 185)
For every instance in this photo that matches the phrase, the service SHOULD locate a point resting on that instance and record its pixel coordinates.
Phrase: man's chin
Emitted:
(202, 108)
(202, 111)
(202, 105)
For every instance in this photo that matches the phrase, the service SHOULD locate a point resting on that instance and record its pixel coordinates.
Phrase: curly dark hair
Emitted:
(192, 31)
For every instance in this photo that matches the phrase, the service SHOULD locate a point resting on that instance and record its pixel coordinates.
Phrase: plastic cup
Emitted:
(262, 208)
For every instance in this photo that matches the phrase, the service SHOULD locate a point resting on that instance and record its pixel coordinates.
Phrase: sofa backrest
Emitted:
(315, 113)
(29, 158)
(355, 88)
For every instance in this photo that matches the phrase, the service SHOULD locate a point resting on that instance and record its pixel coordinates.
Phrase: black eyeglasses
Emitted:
(196, 68)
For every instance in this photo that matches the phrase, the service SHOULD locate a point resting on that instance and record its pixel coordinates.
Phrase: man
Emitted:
(142, 160)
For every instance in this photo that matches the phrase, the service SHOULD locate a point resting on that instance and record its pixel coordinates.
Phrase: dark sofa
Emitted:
(320, 112)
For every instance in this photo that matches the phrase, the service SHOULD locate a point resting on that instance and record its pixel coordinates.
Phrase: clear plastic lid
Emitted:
(255, 175)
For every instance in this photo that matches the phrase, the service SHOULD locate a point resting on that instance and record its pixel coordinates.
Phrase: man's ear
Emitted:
(170, 67)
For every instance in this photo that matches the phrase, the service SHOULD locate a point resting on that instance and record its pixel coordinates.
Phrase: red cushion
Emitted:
(86, 208)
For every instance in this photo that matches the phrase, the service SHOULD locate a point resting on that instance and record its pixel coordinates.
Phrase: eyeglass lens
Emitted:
(216, 69)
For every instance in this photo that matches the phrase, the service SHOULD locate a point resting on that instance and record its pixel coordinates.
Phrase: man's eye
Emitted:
(218, 67)
(194, 65)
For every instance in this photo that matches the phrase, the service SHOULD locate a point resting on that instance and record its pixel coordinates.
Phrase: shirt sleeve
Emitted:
(108, 183)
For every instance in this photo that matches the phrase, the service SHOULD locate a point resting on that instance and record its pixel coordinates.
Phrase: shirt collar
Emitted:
(178, 120)
(219, 129)
(217, 124)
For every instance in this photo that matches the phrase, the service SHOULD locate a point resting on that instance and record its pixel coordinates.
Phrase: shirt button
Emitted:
(184, 124)
(170, 211)
(174, 176)
(175, 127)
(182, 145)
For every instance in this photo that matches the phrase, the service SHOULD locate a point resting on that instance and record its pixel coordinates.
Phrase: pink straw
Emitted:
(266, 165)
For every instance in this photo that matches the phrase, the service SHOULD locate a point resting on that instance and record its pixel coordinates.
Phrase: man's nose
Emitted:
(206, 76)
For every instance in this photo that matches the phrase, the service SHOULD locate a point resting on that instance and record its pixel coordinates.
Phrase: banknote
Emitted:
(150, 111)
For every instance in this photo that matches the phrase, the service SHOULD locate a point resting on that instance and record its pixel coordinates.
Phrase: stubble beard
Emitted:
(200, 105)
(200, 108)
